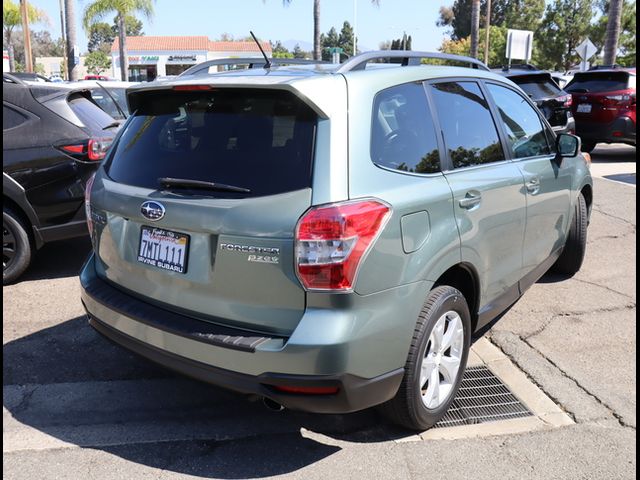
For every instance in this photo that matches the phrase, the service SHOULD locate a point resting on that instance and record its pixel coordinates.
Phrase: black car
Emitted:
(552, 101)
(52, 142)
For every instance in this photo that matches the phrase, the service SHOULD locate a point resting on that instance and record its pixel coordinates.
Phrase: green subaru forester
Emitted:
(329, 237)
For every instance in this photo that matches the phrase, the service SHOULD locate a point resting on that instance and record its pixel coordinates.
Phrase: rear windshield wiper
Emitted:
(168, 182)
(112, 125)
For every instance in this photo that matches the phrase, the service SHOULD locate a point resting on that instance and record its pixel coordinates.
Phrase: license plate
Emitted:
(584, 108)
(163, 249)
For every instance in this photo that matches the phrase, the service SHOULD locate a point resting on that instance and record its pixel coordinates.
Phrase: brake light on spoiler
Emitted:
(332, 240)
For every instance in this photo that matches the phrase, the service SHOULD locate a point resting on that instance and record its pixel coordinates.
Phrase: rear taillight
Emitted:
(332, 240)
(622, 99)
(566, 100)
(98, 147)
(87, 203)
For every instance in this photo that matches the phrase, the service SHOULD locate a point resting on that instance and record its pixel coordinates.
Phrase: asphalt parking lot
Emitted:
(75, 406)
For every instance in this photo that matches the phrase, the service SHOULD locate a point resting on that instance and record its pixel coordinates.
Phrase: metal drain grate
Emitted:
(482, 398)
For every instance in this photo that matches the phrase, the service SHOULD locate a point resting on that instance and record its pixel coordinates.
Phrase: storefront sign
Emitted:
(181, 59)
(144, 59)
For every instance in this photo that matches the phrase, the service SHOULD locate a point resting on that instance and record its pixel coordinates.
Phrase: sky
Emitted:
(270, 20)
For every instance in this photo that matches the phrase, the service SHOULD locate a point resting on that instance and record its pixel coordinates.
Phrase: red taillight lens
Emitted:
(307, 390)
(78, 149)
(332, 240)
(566, 100)
(87, 202)
(98, 147)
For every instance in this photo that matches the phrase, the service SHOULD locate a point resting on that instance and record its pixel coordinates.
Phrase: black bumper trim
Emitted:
(354, 393)
(171, 322)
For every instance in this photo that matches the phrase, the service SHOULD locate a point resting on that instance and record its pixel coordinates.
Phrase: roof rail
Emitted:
(254, 62)
(409, 58)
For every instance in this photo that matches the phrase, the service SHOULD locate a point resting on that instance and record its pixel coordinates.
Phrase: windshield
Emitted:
(594, 82)
(260, 140)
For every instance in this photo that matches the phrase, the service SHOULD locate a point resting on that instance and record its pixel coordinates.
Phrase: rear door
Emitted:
(489, 204)
(547, 186)
(198, 203)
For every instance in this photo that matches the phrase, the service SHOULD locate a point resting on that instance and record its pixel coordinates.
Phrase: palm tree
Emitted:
(12, 18)
(317, 48)
(97, 10)
(613, 32)
(475, 27)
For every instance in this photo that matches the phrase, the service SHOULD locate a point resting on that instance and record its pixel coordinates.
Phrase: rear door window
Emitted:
(595, 82)
(261, 140)
(403, 136)
(467, 126)
(538, 86)
(94, 118)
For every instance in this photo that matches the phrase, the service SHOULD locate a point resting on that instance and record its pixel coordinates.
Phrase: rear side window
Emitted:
(403, 136)
(261, 140)
(89, 113)
(470, 135)
(594, 82)
(11, 118)
(521, 123)
(538, 86)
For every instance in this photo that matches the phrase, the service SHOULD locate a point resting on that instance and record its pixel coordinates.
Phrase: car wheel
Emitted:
(16, 246)
(572, 255)
(588, 147)
(436, 361)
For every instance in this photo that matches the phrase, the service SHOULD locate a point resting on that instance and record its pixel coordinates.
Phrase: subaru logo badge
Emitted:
(152, 210)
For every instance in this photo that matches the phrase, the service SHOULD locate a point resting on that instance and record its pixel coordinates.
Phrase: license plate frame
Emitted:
(584, 108)
(158, 240)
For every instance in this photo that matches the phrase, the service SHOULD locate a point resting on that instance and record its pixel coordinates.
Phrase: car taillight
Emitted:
(87, 203)
(332, 240)
(98, 147)
(566, 100)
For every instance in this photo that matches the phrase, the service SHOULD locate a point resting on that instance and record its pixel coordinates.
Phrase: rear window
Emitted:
(594, 82)
(258, 140)
(538, 86)
(89, 113)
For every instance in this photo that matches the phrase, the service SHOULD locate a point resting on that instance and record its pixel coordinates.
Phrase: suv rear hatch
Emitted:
(197, 206)
(554, 103)
(602, 96)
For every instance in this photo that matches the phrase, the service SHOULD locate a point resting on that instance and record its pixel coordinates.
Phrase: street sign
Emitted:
(586, 49)
(519, 45)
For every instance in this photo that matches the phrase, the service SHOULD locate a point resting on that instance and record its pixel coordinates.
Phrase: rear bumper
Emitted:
(202, 350)
(622, 129)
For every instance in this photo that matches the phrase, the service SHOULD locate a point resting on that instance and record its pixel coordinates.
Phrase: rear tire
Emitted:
(446, 306)
(572, 255)
(16, 246)
(588, 147)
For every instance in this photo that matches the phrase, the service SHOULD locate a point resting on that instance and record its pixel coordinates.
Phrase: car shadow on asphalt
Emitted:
(60, 259)
(86, 391)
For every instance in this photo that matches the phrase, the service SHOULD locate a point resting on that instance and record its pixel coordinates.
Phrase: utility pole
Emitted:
(486, 39)
(355, 27)
(28, 61)
(72, 49)
(64, 38)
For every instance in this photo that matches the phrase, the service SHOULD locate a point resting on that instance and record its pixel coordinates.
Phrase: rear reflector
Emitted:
(332, 240)
(307, 390)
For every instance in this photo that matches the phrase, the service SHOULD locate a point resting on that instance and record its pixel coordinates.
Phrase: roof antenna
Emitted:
(267, 64)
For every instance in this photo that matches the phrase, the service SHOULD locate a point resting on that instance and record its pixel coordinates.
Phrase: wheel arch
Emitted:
(464, 278)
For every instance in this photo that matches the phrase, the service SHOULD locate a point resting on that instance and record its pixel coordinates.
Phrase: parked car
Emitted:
(604, 105)
(53, 139)
(102, 78)
(32, 77)
(552, 101)
(330, 238)
(110, 96)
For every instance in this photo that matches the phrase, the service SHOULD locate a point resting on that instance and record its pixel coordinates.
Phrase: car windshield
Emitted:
(258, 140)
(538, 86)
(594, 82)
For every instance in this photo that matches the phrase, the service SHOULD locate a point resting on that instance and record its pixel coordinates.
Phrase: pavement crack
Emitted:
(609, 289)
(24, 401)
(613, 413)
(602, 212)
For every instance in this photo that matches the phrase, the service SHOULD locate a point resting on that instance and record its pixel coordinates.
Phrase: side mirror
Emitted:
(567, 146)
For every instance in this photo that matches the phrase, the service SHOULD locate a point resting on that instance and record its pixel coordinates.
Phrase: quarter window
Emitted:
(11, 118)
(403, 136)
(522, 124)
(467, 125)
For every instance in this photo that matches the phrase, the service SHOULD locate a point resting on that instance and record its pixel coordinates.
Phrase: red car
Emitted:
(96, 77)
(604, 106)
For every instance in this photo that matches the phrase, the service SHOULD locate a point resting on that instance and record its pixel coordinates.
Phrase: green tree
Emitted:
(330, 40)
(298, 52)
(97, 62)
(565, 25)
(12, 18)
(345, 39)
(99, 9)
(627, 39)
(280, 51)
(42, 45)
(102, 35)
(497, 45)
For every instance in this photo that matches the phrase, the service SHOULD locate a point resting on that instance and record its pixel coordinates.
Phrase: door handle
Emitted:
(533, 185)
(470, 200)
